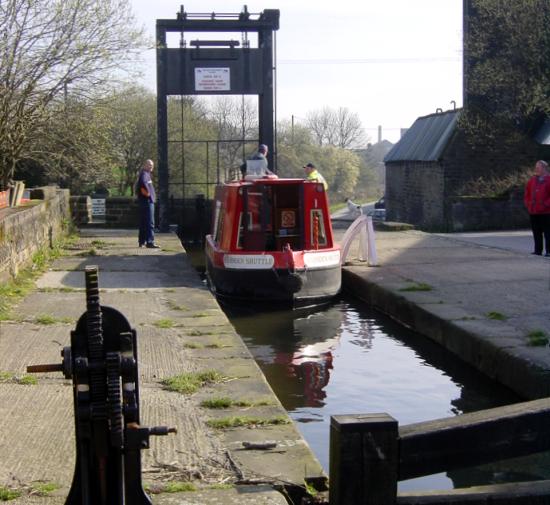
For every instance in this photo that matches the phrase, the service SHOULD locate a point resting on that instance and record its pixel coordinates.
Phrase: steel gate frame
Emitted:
(250, 71)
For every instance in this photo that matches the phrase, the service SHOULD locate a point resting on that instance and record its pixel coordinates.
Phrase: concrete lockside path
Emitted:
(480, 302)
(180, 329)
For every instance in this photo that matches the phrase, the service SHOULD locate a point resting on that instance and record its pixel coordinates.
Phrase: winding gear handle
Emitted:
(102, 363)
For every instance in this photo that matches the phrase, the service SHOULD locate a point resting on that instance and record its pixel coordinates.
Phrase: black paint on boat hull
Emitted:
(301, 287)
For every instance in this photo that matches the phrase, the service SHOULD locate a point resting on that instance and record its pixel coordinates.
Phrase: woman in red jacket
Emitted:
(537, 202)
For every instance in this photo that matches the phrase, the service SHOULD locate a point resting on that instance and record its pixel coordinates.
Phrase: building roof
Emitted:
(426, 139)
(542, 136)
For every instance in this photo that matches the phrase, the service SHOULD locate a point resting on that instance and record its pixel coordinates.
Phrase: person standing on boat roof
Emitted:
(313, 175)
(259, 155)
(537, 202)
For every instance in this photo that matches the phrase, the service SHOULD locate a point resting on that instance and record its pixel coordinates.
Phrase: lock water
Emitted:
(349, 359)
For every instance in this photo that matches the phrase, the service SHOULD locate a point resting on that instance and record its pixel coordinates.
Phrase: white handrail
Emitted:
(363, 228)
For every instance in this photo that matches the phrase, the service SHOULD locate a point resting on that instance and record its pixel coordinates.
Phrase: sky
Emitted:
(389, 61)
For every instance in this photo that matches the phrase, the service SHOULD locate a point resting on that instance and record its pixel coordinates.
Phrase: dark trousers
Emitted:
(146, 222)
(540, 225)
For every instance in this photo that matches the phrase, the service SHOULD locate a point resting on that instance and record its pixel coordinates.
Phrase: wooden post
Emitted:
(363, 459)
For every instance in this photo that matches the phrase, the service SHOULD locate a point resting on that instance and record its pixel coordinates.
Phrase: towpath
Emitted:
(181, 329)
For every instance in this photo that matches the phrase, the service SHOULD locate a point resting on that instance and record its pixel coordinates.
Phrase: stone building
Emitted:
(428, 169)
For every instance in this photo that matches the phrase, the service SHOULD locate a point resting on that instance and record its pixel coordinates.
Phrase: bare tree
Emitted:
(236, 122)
(48, 47)
(349, 131)
(339, 128)
(321, 122)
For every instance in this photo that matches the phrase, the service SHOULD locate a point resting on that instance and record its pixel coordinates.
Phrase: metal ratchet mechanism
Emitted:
(102, 363)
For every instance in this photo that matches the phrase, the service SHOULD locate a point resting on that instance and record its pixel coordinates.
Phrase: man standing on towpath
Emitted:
(145, 192)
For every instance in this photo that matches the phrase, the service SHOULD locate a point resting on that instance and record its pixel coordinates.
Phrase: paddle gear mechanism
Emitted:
(102, 363)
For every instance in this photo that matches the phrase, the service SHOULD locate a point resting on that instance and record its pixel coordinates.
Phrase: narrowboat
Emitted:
(272, 241)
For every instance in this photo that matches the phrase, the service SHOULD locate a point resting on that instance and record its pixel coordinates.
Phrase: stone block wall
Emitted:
(192, 215)
(468, 214)
(81, 209)
(414, 193)
(121, 212)
(26, 230)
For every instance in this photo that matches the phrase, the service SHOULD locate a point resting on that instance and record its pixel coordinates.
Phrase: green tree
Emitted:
(76, 150)
(133, 133)
(48, 50)
(340, 167)
(191, 160)
(508, 54)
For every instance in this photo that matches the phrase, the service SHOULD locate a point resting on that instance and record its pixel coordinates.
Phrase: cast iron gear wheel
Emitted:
(98, 378)
(114, 400)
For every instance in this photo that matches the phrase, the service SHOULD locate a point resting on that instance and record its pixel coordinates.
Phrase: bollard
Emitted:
(363, 459)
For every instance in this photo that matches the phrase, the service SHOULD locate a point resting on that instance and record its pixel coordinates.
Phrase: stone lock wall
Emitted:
(26, 230)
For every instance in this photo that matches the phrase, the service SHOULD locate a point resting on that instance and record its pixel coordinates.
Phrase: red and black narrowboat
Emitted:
(272, 241)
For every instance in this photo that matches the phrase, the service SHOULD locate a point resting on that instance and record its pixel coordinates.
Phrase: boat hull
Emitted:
(296, 288)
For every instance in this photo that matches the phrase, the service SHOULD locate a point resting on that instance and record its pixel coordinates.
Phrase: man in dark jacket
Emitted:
(537, 202)
(145, 192)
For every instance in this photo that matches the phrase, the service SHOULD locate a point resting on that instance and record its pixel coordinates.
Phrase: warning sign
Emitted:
(212, 79)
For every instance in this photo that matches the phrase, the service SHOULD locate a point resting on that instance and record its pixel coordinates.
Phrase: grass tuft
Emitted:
(189, 383)
(6, 376)
(44, 488)
(216, 345)
(221, 486)
(164, 323)
(497, 316)
(419, 286)
(7, 493)
(46, 319)
(198, 333)
(99, 244)
(251, 422)
(13, 291)
(179, 487)
(192, 345)
(25, 379)
(174, 306)
(224, 402)
(537, 338)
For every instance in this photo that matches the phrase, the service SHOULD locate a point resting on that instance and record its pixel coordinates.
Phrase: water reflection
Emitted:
(347, 359)
(294, 349)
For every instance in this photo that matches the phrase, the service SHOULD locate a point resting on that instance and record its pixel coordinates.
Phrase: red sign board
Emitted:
(4, 199)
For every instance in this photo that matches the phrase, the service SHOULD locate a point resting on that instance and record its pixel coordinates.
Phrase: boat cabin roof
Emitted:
(268, 181)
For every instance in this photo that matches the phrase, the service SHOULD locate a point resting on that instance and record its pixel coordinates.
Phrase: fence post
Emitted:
(363, 463)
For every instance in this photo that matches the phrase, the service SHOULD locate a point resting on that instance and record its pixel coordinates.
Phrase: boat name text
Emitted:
(252, 261)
